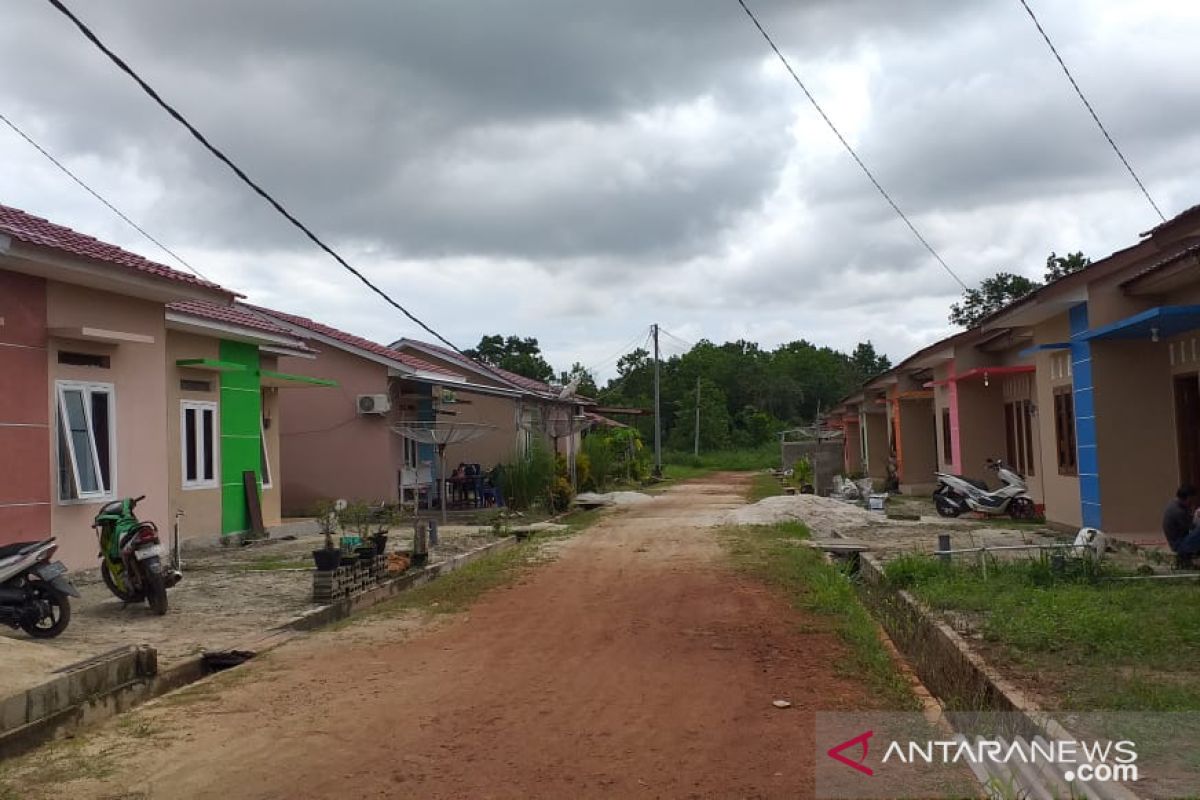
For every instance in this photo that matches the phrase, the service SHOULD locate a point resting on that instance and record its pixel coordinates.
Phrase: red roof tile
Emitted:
(520, 381)
(29, 229)
(356, 341)
(239, 314)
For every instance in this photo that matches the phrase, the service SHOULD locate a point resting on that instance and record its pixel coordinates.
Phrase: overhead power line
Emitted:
(220, 156)
(846, 144)
(1092, 111)
(617, 356)
(97, 195)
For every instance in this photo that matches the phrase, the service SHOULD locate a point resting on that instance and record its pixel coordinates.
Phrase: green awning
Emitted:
(282, 380)
(210, 365)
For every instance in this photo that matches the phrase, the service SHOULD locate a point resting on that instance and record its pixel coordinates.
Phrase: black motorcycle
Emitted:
(34, 589)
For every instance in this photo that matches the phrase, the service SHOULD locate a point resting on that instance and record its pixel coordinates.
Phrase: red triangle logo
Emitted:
(862, 740)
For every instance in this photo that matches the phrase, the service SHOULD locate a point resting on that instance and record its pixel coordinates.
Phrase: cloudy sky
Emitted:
(577, 170)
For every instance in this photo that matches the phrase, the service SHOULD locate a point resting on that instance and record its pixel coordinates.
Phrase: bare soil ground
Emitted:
(229, 595)
(636, 663)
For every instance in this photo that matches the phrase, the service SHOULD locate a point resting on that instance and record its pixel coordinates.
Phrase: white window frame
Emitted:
(264, 455)
(88, 389)
(412, 452)
(200, 406)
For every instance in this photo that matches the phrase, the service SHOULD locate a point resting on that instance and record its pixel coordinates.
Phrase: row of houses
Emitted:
(1089, 386)
(122, 377)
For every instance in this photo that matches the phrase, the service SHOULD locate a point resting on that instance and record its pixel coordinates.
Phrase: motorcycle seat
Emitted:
(21, 548)
(978, 484)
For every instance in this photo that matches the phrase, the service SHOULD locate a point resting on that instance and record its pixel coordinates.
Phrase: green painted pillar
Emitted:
(241, 433)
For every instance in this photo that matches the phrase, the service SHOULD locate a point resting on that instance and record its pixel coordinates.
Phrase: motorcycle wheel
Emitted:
(58, 616)
(156, 587)
(944, 507)
(130, 596)
(1022, 508)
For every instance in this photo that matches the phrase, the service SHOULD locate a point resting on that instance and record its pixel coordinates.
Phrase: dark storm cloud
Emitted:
(592, 163)
(511, 129)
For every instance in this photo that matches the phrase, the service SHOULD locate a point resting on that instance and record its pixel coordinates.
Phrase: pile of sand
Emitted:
(611, 499)
(821, 514)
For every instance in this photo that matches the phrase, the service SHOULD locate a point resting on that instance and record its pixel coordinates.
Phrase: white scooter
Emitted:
(34, 589)
(957, 494)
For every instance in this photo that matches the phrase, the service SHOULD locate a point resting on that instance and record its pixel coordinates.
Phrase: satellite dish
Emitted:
(569, 389)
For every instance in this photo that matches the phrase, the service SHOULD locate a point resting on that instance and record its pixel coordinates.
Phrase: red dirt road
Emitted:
(634, 664)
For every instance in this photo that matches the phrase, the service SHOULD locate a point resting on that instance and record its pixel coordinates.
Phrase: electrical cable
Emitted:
(97, 195)
(612, 387)
(1092, 111)
(845, 144)
(678, 339)
(624, 349)
(240, 173)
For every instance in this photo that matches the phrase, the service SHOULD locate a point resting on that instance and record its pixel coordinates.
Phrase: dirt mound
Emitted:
(821, 514)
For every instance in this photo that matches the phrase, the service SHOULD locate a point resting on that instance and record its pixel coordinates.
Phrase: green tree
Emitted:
(714, 420)
(520, 355)
(587, 384)
(1060, 266)
(992, 295)
(867, 363)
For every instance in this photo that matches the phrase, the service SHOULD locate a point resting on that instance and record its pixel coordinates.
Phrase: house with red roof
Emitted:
(83, 403)
(346, 443)
(223, 390)
(554, 414)
(124, 377)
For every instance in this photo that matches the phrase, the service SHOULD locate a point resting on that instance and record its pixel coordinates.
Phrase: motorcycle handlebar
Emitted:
(137, 500)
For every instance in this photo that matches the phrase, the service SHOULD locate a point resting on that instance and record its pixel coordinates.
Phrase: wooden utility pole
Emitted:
(697, 448)
(657, 415)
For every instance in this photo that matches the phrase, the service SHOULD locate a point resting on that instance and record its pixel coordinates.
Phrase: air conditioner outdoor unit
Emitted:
(374, 404)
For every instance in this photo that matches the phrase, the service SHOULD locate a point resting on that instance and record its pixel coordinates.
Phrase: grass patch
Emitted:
(776, 554)
(272, 563)
(457, 590)
(764, 485)
(1091, 642)
(765, 457)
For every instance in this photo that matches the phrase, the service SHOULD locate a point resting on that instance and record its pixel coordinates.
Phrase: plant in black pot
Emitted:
(356, 522)
(383, 517)
(329, 556)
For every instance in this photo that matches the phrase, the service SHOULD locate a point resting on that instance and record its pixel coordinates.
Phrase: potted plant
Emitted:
(328, 557)
(382, 517)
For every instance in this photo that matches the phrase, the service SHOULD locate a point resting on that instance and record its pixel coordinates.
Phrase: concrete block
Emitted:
(13, 712)
(48, 698)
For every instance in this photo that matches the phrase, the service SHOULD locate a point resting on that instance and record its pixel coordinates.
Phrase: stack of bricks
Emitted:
(348, 579)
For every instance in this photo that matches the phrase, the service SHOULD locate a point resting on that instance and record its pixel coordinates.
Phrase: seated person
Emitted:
(1180, 525)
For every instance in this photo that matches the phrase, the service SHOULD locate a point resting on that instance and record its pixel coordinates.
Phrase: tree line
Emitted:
(746, 393)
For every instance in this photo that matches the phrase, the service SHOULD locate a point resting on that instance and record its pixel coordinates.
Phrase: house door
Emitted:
(1187, 427)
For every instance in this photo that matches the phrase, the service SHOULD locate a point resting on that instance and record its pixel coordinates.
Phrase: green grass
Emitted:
(765, 457)
(1090, 642)
(776, 555)
(272, 563)
(765, 485)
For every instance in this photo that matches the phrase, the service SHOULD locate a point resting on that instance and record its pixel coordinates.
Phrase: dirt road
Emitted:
(636, 663)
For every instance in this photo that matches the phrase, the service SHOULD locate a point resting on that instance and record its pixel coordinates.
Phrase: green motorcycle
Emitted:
(133, 562)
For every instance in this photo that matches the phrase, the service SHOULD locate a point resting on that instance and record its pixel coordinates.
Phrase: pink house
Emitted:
(83, 391)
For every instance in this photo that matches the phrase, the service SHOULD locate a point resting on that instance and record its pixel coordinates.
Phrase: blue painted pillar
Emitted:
(1085, 418)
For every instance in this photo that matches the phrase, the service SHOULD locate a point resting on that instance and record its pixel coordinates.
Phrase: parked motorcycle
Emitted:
(34, 589)
(133, 562)
(956, 494)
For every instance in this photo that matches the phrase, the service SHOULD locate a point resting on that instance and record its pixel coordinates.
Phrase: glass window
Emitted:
(264, 457)
(198, 424)
(85, 430)
(1064, 430)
